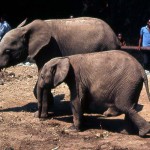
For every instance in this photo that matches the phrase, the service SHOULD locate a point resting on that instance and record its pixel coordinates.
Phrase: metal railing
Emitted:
(134, 48)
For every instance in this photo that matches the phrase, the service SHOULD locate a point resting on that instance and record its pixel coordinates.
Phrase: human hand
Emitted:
(139, 48)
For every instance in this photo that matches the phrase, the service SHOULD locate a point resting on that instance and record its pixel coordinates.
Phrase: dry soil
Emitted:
(20, 130)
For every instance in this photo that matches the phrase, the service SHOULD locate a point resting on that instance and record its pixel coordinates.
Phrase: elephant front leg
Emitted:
(50, 100)
(49, 94)
(77, 114)
(44, 111)
(42, 103)
(49, 97)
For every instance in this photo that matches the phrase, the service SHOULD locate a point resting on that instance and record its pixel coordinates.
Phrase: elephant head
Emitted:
(53, 72)
(22, 42)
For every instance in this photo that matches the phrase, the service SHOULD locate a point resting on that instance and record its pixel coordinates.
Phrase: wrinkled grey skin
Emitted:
(42, 40)
(100, 78)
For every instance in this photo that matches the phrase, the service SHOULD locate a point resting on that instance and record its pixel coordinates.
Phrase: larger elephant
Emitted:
(43, 40)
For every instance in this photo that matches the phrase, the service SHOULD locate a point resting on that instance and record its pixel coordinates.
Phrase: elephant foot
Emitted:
(124, 131)
(72, 129)
(129, 128)
(111, 111)
(144, 130)
(43, 115)
(128, 131)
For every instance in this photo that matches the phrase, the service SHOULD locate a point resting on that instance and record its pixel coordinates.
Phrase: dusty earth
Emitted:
(20, 130)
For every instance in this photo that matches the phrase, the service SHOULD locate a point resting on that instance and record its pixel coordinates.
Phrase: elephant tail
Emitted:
(146, 83)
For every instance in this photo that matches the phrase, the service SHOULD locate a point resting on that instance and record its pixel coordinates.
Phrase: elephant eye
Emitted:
(7, 51)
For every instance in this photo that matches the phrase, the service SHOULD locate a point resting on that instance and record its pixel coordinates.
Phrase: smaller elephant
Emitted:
(113, 79)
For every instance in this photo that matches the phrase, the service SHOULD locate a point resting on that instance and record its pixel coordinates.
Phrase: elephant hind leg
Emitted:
(127, 106)
(140, 122)
(129, 127)
(134, 120)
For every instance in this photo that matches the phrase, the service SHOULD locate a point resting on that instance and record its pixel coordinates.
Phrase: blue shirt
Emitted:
(4, 28)
(145, 33)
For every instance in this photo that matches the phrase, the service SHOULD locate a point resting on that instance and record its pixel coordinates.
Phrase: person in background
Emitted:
(121, 39)
(4, 27)
(144, 40)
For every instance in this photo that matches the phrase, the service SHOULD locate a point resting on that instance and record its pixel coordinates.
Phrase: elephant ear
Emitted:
(38, 35)
(22, 23)
(62, 68)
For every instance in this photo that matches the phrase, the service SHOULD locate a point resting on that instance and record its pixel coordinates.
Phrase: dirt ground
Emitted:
(20, 130)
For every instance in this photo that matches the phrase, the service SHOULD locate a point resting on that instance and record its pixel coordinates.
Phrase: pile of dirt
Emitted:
(20, 130)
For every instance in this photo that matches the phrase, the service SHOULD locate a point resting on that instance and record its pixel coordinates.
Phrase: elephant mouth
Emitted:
(15, 54)
(17, 57)
(11, 59)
